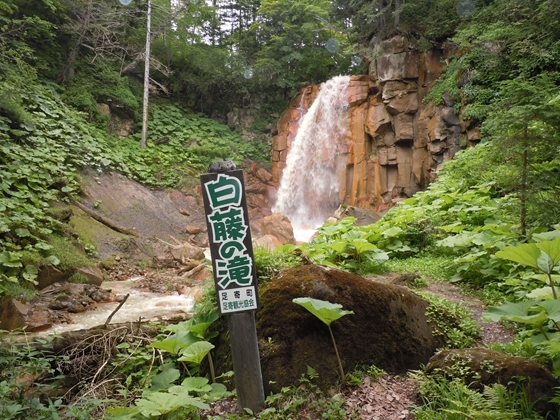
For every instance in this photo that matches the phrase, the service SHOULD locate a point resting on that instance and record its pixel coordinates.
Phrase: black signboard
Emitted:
(229, 236)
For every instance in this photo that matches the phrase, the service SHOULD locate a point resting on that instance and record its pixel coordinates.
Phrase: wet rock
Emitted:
(268, 242)
(15, 315)
(94, 274)
(363, 217)
(49, 274)
(67, 303)
(480, 366)
(279, 226)
(388, 328)
(186, 251)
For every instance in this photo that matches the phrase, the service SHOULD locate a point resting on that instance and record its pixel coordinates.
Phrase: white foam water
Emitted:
(308, 192)
(140, 304)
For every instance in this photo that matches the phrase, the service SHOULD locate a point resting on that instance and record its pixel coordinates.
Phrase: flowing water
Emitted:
(139, 304)
(308, 192)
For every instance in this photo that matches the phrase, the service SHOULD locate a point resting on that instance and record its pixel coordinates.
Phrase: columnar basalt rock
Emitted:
(395, 142)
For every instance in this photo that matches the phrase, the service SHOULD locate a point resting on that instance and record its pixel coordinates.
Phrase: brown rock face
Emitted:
(395, 143)
(388, 327)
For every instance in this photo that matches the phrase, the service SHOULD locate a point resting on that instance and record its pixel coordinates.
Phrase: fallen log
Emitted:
(105, 220)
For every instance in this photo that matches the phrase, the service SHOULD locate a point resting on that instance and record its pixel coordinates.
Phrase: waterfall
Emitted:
(308, 192)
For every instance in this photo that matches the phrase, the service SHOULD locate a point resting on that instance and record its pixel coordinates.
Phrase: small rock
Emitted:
(193, 230)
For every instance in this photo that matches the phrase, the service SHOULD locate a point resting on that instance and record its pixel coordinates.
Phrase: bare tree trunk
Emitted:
(146, 78)
(523, 193)
(397, 12)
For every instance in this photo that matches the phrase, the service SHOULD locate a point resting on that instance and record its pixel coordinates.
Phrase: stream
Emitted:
(140, 304)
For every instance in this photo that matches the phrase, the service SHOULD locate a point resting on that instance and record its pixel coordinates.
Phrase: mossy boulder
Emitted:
(388, 328)
(478, 367)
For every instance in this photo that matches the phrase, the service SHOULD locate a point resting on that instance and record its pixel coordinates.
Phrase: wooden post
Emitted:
(246, 360)
(229, 236)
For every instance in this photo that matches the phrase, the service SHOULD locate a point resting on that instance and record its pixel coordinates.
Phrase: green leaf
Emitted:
(169, 345)
(23, 233)
(123, 413)
(517, 312)
(10, 259)
(362, 245)
(527, 254)
(547, 236)
(165, 379)
(339, 246)
(53, 259)
(196, 352)
(552, 249)
(326, 311)
(545, 263)
(160, 403)
(196, 384)
(552, 308)
(543, 293)
(199, 330)
(217, 392)
(392, 232)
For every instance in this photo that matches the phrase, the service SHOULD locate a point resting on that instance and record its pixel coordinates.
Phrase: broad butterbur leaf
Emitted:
(326, 311)
(196, 352)
(527, 254)
(543, 293)
(165, 379)
(552, 249)
(521, 312)
(196, 384)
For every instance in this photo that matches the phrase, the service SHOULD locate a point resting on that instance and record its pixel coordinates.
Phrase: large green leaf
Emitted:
(169, 345)
(217, 392)
(165, 379)
(552, 249)
(552, 308)
(543, 293)
(527, 254)
(339, 246)
(123, 413)
(326, 311)
(362, 245)
(517, 312)
(160, 403)
(196, 384)
(547, 236)
(196, 352)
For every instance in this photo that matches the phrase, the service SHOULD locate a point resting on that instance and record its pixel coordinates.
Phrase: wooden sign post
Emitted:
(235, 276)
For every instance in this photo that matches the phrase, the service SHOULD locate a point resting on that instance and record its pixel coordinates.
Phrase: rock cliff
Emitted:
(395, 142)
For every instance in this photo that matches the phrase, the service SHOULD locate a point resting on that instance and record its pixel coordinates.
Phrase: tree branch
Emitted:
(140, 56)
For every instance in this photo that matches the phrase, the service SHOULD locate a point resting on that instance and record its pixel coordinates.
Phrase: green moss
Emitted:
(69, 255)
(78, 278)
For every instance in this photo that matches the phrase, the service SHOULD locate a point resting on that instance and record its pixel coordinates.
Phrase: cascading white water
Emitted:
(308, 192)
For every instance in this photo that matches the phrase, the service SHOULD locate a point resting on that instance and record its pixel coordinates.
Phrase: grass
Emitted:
(433, 267)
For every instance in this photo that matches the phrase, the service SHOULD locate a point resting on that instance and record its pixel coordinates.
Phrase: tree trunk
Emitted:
(146, 78)
(523, 193)
(72, 56)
